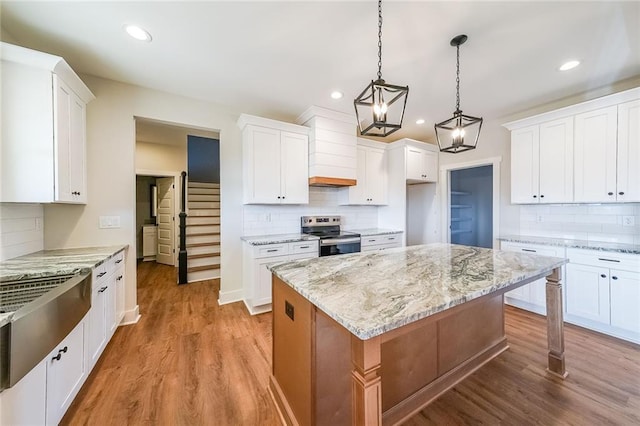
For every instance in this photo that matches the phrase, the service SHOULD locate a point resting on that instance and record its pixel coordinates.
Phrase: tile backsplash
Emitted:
(594, 222)
(21, 229)
(284, 219)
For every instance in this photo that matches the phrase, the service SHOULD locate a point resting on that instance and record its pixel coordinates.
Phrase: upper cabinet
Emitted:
(43, 128)
(421, 162)
(371, 188)
(275, 161)
(541, 163)
(585, 153)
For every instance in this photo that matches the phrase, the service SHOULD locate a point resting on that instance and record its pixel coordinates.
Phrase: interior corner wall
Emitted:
(111, 178)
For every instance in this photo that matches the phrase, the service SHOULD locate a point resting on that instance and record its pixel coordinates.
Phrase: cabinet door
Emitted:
(628, 179)
(595, 156)
(525, 157)
(63, 99)
(97, 322)
(358, 194)
(77, 156)
(263, 165)
(110, 306)
(431, 166)
(261, 294)
(294, 168)
(625, 300)
(376, 176)
(588, 292)
(120, 289)
(556, 161)
(65, 373)
(415, 164)
(24, 404)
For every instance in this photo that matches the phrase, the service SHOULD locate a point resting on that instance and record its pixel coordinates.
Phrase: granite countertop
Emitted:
(53, 262)
(569, 243)
(372, 293)
(369, 232)
(261, 240)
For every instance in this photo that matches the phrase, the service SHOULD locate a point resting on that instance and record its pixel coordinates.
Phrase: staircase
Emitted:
(203, 231)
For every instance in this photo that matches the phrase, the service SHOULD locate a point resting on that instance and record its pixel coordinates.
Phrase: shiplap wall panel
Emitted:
(21, 229)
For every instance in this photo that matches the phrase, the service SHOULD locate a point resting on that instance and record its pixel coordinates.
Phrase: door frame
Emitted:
(176, 204)
(445, 194)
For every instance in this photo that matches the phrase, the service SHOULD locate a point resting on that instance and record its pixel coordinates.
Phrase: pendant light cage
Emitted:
(461, 132)
(380, 107)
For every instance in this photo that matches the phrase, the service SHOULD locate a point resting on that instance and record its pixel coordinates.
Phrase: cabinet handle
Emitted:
(278, 197)
(119, 260)
(621, 193)
(271, 250)
(609, 260)
(603, 276)
(535, 196)
(531, 250)
(614, 277)
(283, 197)
(610, 193)
(303, 247)
(372, 241)
(541, 196)
(102, 289)
(391, 238)
(63, 350)
(119, 278)
(57, 357)
(102, 274)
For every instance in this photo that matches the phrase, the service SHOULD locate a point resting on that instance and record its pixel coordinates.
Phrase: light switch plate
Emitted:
(109, 222)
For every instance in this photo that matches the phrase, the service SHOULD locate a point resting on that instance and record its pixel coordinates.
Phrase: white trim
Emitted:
(445, 197)
(131, 316)
(233, 296)
(246, 119)
(316, 111)
(601, 102)
(256, 310)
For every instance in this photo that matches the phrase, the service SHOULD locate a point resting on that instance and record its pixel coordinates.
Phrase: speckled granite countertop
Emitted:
(54, 262)
(372, 293)
(369, 232)
(260, 240)
(579, 244)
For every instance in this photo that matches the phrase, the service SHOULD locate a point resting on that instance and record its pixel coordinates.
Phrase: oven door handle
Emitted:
(336, 241)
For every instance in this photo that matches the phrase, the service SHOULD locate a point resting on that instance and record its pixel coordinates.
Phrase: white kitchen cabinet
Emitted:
(275, 161)
(595, 155)
(25, 403)
(256, 275)
(149, 242)
(119, 275)
(43, 128)
(422, 165)
(371, 188)
(542, 163)
(531, 297)
(628, 163)
(66, 371)
(603, 292)
(380, 242)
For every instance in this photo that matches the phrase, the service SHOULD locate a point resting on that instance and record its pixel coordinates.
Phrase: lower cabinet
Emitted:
(380, 242)
(25, 403)
(257, 277)
(533, 296)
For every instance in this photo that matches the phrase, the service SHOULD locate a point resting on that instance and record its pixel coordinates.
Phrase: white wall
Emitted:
(155, 156)
(111, 175)
(21, 229)
(269, 219)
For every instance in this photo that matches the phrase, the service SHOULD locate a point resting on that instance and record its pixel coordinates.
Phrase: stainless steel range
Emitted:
(332, 240)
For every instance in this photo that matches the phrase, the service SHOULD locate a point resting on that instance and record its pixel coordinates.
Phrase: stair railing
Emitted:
(182, 254)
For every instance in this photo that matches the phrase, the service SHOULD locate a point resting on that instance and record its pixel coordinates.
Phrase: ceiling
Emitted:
(275, 59)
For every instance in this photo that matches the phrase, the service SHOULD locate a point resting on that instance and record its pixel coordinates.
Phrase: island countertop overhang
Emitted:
(371, 294)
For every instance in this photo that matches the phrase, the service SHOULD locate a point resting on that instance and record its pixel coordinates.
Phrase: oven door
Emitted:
(333, 246)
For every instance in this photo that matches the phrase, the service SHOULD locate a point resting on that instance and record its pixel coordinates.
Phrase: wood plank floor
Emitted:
(189, 361)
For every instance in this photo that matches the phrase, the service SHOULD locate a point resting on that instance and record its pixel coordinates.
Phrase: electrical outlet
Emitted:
(628, 221)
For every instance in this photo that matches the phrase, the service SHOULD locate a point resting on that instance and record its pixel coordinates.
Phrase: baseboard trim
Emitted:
(230, 297)
(131, 316)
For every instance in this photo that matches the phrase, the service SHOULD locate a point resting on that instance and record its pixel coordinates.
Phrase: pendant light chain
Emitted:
(457, 78)
(379, 39)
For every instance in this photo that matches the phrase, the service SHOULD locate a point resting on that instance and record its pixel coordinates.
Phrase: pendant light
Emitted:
(461, 132)
(380, 106)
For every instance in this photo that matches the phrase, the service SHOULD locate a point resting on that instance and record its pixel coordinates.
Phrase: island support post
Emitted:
(555, 325)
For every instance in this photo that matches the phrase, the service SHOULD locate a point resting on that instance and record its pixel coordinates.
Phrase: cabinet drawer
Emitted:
(116, 261)
(271, 250)
(371, 240)
(100, 273)
(605, 259)
(303, 247)
(391, 239)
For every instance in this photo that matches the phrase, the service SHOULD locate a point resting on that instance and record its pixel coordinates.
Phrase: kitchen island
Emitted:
(370, 339)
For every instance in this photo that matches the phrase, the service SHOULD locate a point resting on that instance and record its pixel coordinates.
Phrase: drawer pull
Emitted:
(63, 350)
(102, 289)
(271, 250)
(304, 247)
(614, 277)
(102, 274)
(609, 260)
(391, 238)
(57, 357)
(372, 241)
(531, 250)
(603, 276)
(119, 260)
(119, 278)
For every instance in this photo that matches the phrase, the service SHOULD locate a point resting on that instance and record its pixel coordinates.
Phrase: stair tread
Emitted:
(202, 224)
(203, 255)
(202, 268)
(213, 243)
(200, 234)
(215, 215)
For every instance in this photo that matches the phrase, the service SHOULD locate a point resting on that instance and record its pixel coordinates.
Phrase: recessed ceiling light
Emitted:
(569, 65)
(420, 121)
(336, 95)
(137, 32)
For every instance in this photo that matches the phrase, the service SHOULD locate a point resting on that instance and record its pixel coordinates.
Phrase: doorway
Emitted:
(155, 218)
(471, 201)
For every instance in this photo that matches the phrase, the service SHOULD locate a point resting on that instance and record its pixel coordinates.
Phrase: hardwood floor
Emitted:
(189, 361)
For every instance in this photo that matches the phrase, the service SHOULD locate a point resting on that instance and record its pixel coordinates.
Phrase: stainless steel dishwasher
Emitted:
(44, 311)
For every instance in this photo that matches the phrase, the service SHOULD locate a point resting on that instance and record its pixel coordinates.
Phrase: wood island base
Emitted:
(322, 374)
